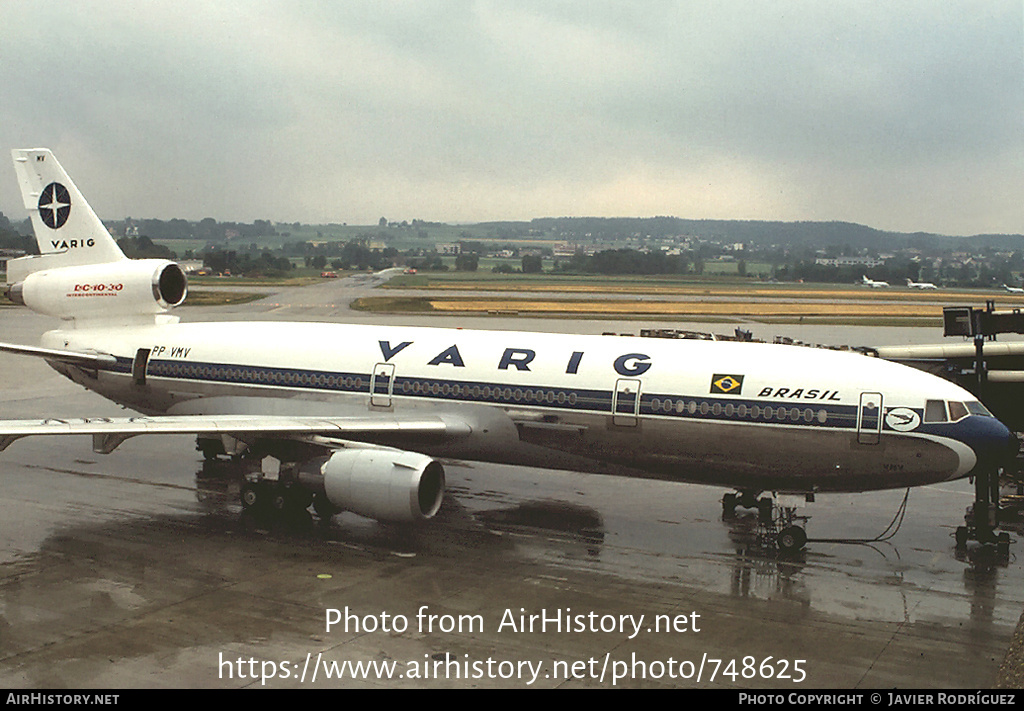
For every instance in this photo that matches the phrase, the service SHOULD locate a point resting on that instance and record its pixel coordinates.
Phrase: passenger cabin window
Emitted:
(934, 411)
(957, 411)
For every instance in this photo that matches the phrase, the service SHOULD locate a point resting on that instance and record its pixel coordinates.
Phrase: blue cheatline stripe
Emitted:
(794, 413)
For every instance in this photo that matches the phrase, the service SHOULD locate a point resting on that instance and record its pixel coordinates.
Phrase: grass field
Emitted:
(257, 281)
(768, 312)
(678, 284)
(674, 298)
(198, 297)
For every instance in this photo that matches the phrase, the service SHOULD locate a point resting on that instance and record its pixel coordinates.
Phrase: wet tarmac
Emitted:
(138, 569)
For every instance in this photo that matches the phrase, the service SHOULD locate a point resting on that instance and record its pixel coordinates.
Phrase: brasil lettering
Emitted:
(801, 393)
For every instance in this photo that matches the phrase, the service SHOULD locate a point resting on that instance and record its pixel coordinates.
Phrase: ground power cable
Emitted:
(891, 530)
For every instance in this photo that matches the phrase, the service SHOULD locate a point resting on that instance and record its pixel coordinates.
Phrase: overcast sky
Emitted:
(899, 115)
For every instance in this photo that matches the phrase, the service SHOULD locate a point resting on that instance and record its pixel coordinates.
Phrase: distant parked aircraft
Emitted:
(874, 284)
(1013, 289)
(920, 284)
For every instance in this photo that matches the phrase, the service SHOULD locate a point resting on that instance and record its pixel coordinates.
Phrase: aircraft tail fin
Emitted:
(67, 231)
(81, 274)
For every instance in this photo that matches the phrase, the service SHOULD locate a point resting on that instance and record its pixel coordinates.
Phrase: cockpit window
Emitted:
(957, 411)
(976, 408)
(934, 411)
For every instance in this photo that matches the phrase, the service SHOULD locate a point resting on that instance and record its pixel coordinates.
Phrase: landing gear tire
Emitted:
(255, 506)
(212, 449)
(1003, 544)
(289, 504)
(729, 503)
(961, 537)
(792, 539)
(323, 507)
(279, 501)
(254, 496)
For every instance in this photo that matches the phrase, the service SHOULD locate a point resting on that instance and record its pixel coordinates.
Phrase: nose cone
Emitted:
(993, 443)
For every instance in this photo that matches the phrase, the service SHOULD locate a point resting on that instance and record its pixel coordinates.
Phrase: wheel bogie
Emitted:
(792, 539)
(279, 497)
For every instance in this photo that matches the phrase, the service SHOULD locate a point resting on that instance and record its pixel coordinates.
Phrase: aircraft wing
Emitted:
(243, 420)
(109, 432)
(72, 357)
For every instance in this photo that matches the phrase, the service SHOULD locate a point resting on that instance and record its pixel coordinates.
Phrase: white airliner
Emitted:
(1013, 289)
(873, 284)
(920, 284)
(354, 416)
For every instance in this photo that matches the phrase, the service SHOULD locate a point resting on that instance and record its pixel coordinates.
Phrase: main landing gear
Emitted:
(270, 490)
(279, 497)
(283, 498)
(982, 517)
(777, 526)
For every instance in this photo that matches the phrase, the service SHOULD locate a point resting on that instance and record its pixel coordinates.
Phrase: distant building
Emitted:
(191, 266)
(449, 248)
(571, 249)
(849, 261)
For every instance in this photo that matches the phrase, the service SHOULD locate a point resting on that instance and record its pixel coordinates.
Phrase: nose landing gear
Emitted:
(982, 517)
(784, 531)
(778, 526)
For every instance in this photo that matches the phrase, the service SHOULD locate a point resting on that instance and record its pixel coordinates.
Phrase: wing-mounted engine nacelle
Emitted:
(379, 483)
(127, 287)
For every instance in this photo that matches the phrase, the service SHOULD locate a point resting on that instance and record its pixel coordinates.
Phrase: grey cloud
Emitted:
(790, 110)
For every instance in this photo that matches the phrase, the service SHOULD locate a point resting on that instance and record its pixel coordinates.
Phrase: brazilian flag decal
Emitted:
(726, 384)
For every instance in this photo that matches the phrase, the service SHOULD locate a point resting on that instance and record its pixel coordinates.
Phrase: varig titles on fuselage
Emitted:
(628, 364)
(516, 358)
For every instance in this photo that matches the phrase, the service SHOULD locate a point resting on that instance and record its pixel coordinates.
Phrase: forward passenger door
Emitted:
(869, 418)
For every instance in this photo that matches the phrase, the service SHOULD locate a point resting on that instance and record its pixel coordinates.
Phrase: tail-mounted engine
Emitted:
(113, 289)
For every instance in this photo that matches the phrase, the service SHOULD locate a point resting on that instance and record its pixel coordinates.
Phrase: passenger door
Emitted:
(626, 402)
(139, 366)
(869, 418)
(382, 384)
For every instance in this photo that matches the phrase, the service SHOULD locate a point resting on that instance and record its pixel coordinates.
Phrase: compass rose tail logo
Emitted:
(54, 205)
(67, 230)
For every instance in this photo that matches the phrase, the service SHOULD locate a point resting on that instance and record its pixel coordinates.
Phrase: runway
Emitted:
(137, 570)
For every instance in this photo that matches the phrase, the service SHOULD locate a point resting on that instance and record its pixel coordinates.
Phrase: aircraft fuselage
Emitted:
(748, 415)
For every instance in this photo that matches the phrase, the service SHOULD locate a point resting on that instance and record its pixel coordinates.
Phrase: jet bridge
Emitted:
(990, 369)
(994, 371)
